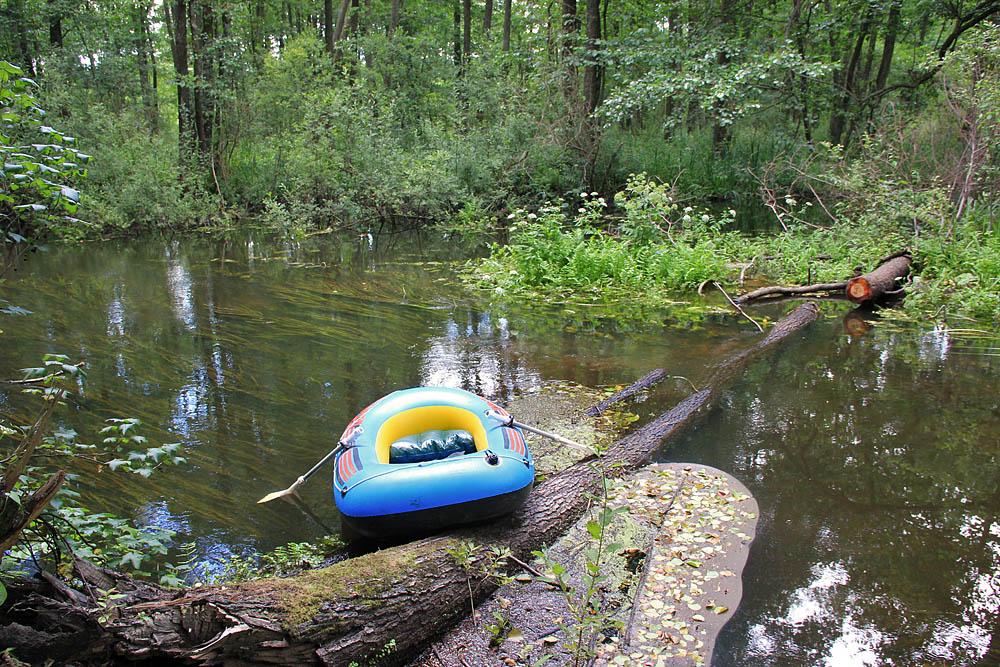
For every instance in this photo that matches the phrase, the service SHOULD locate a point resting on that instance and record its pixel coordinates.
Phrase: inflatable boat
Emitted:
(421, 459)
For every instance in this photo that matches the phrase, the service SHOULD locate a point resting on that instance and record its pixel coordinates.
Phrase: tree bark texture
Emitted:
(328, 25)
(592, 70)
(466, 28)
(55, 24)
(884, 279)
(846, 92)
(456, 33)
(176, 22)
(570, 29)
(488, 16)
(352, 610)
(506, 26)
(340, 30)
(393, 18)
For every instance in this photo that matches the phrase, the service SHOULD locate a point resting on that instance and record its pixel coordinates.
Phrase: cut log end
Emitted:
(859, 289)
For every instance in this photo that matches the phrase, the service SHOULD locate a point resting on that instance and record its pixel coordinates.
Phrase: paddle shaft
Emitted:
(544, 434)
(292, 490)
(322, 462)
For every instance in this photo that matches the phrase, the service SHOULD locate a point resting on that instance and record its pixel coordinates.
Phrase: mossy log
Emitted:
(389, 603)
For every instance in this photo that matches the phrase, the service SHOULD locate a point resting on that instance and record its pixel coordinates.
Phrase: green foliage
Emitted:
(713, 72)
(479, 561)
(135, 182)
(394, 125)
(282, 561)
(655, 245)
(879, 205)
(588, 616)
(38, 167)
(66, 528)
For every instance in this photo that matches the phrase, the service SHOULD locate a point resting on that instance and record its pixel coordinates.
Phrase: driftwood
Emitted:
(390, 602)
(651, 378)
(881, 281)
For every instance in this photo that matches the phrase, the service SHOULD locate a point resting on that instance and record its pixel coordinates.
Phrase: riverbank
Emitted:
(655, 250)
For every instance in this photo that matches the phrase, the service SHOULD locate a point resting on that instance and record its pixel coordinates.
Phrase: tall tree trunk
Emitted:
(456, 33)
(570, 29)
(506, 25)
(796, 31)
(195, 20)
(142, 57)
(842, 105)
(152, 62)
(339, 31)
(466, 29)
(177, 27)
(55, 23)
(259, 45)
(720, 130)
(861, 80)
(328, 25)
(604, 20)
(592, 76)
(16, 9)
(593, 70)
(393, 19)
(353, 24)
(891, 30)
(488, 16)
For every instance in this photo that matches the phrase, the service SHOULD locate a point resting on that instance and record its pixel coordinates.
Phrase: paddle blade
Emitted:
(274, 495)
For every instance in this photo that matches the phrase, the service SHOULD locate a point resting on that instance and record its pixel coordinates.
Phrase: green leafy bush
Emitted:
(65, 529)
(38, 166)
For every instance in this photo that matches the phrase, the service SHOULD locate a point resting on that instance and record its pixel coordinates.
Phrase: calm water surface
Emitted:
(874, 457)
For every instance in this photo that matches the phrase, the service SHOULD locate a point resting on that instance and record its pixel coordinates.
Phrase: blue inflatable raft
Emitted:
(424, 458)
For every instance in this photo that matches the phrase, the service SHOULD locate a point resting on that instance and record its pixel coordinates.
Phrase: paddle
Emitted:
(292, 490)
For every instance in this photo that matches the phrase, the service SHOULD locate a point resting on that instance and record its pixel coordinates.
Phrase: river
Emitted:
(874, 452)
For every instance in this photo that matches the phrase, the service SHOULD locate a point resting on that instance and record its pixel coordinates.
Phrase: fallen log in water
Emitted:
(872, 286)
(389, 603)
(651, 378)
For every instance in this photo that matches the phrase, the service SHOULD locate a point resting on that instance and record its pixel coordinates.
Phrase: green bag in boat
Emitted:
(431, 446)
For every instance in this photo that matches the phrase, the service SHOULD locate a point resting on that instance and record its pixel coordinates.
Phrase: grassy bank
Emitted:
(648, 247)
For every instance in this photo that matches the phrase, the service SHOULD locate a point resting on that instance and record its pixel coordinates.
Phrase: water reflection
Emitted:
(179, 287)
(875, 461)
(476, 355)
